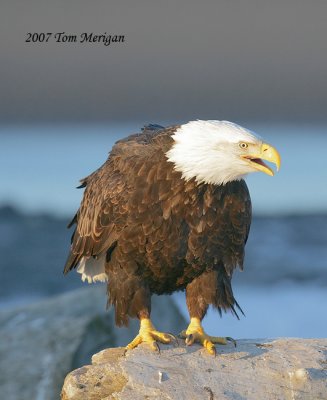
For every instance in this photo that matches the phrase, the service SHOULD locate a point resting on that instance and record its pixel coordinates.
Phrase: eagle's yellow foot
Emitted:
(195, 333)
(148, 334)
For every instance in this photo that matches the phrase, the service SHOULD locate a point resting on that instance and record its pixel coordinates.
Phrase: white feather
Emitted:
(92, 269)
(208, 151)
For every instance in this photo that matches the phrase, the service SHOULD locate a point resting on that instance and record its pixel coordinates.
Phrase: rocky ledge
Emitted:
(280, 369)
(40, 343)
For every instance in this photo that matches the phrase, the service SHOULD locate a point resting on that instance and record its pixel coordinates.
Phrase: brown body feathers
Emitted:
(160, 233)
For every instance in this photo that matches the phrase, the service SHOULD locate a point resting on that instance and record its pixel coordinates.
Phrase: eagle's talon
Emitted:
(195, 333)
(174, 338)
(189, 340)
(157, 347)
(172, 335)
(148, 334)
(182, 335)
(230, 339)
(207, 344)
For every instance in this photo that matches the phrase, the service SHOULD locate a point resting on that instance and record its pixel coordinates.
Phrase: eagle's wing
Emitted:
(97, 219)
(237, 214)
(104, 209)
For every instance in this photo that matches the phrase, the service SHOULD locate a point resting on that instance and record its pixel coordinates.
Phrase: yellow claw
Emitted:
(148, 334)
(195, 333)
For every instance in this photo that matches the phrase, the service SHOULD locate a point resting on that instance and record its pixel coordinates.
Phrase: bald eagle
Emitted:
(169, 210)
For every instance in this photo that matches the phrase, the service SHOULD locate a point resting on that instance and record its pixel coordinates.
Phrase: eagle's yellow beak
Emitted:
(266, 152)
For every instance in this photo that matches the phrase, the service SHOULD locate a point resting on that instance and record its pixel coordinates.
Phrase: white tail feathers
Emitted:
(93, 269)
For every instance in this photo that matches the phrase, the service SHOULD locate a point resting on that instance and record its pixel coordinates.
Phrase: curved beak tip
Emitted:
(269, 153)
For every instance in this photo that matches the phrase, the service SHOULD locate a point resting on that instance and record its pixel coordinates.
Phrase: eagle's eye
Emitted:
(243, 145)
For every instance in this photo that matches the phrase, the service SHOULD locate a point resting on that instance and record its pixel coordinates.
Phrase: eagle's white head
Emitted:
(218, 152)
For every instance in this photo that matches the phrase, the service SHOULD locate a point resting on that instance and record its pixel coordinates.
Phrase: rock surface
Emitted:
(42, 342)
(290, 369)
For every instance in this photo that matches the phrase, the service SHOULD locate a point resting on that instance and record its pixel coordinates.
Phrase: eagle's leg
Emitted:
(136, 304)
(148, 334)
(201, 292)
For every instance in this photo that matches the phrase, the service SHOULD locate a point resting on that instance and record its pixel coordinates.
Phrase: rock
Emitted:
(42, 342)
(293, 369)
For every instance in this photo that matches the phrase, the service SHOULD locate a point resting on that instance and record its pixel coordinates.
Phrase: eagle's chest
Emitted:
(178, 252)
(176, 239)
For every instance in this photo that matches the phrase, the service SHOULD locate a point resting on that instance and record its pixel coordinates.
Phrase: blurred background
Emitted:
(63, 105)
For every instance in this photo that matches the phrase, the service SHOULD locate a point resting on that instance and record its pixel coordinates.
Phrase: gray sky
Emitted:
(239, 60)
